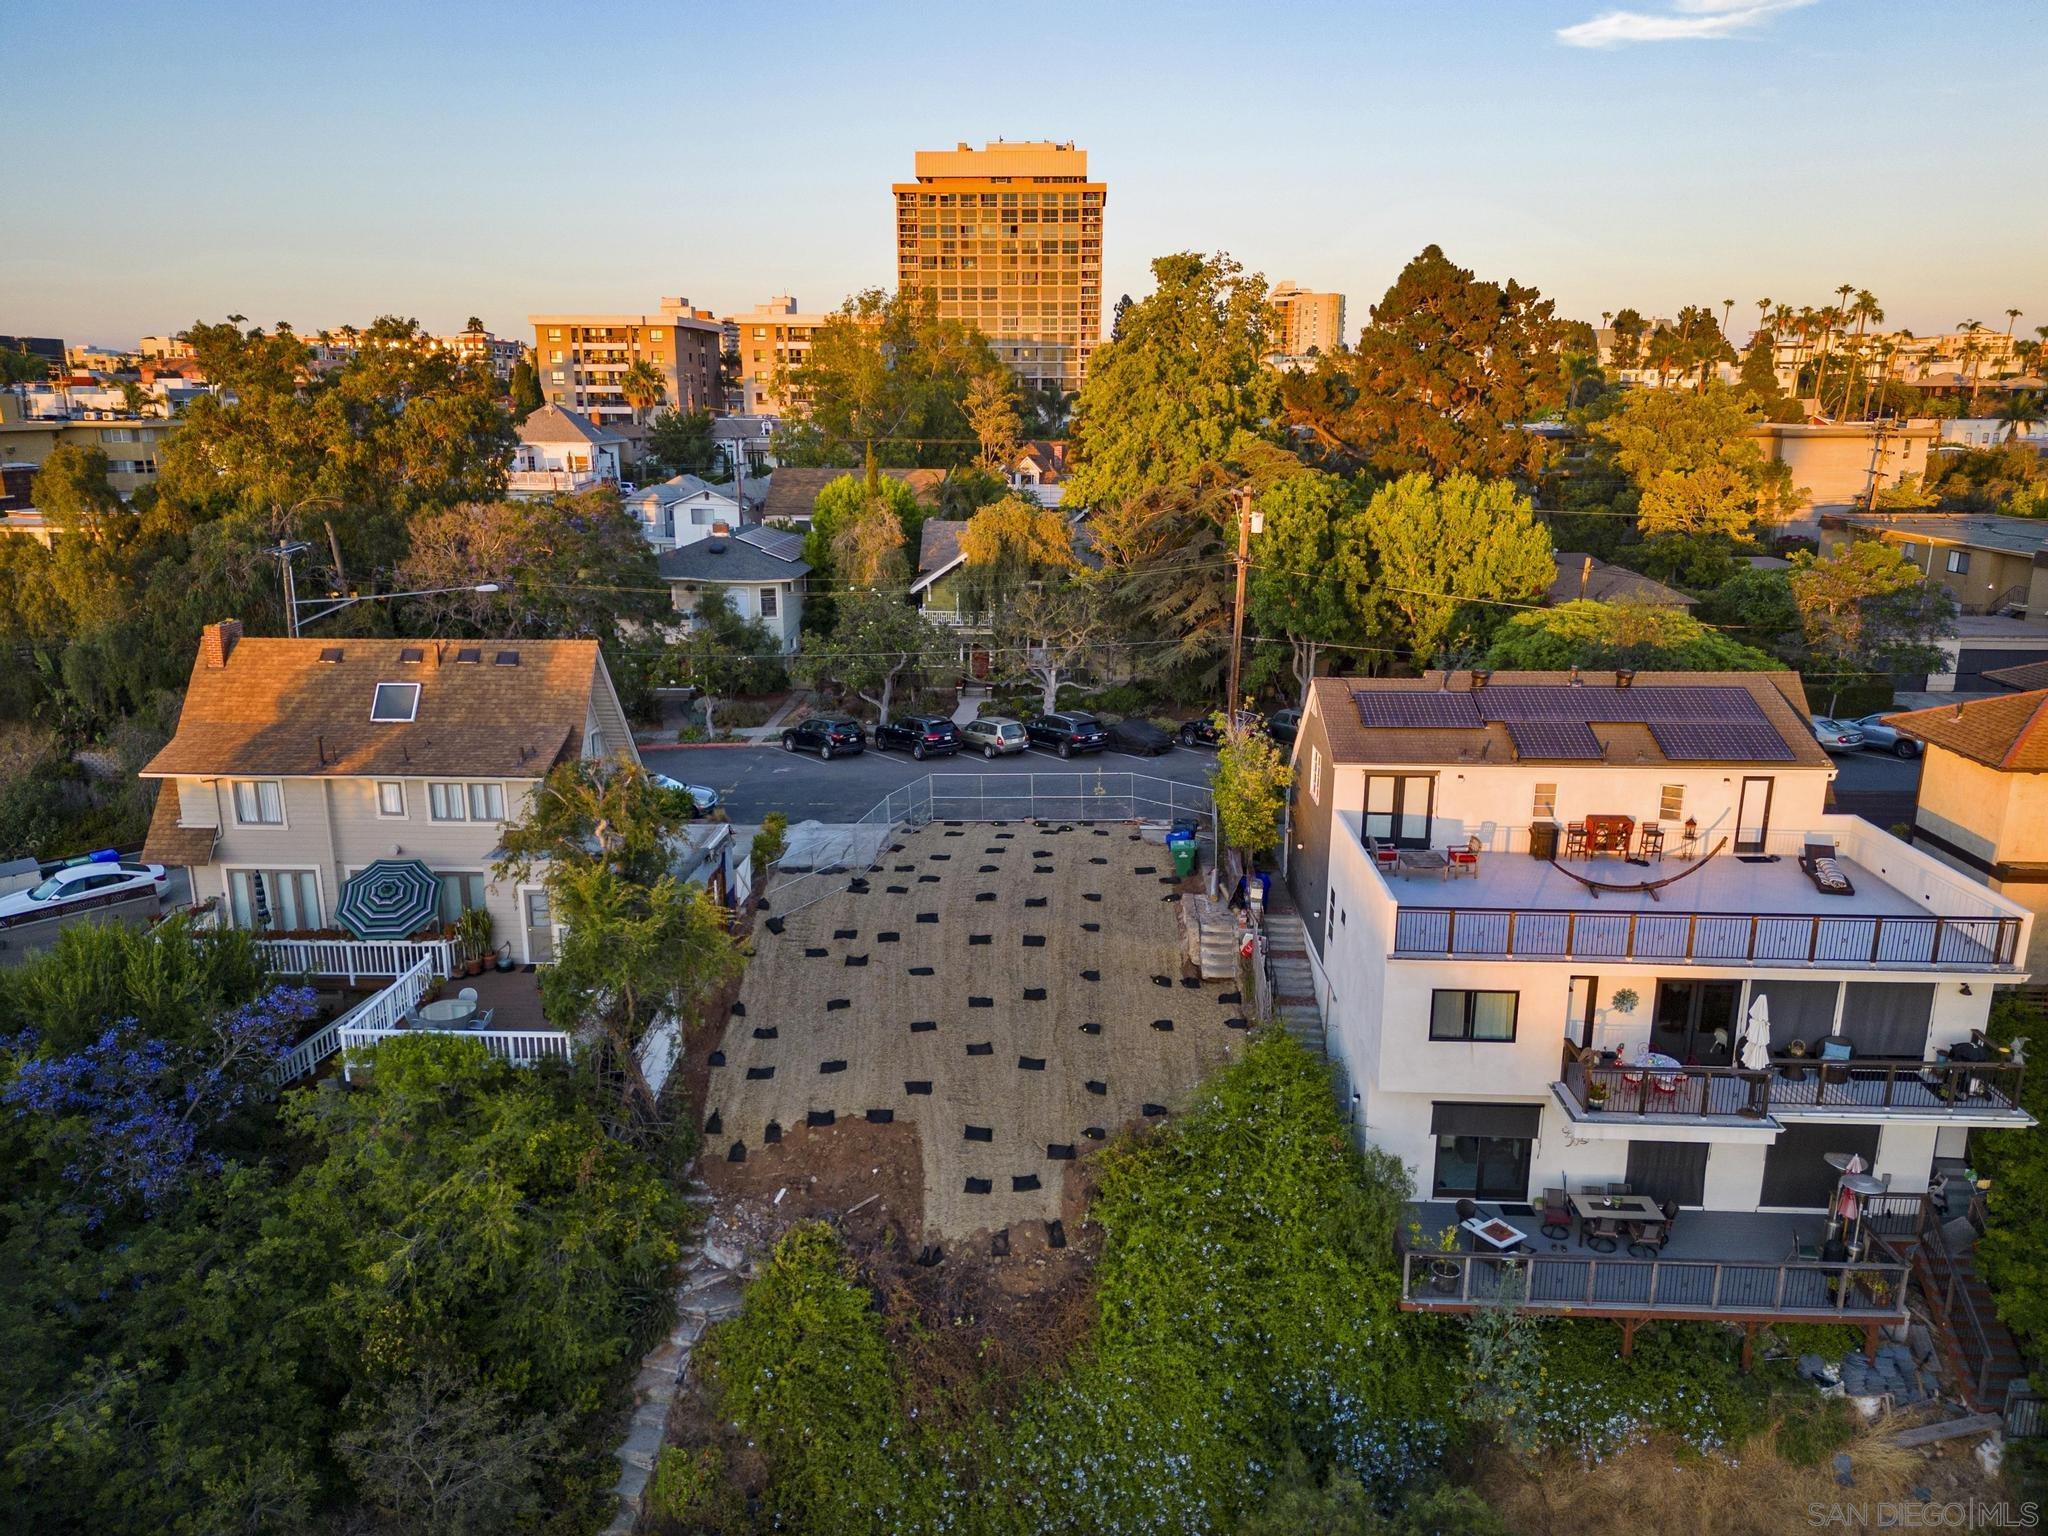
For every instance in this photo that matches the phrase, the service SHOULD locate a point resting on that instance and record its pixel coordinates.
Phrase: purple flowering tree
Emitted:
(131, 1111)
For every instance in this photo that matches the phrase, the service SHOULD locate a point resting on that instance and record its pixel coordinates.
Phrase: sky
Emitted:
(325, 164)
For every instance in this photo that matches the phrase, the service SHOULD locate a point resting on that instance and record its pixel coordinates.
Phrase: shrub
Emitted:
(1812, 1428)
(689, 1489)
(770, 841)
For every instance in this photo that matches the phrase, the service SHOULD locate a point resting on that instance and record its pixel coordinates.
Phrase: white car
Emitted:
(702, 796)
(78, 886)
(1836, 735)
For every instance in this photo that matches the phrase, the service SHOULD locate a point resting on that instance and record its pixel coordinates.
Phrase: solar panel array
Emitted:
(1702, 723)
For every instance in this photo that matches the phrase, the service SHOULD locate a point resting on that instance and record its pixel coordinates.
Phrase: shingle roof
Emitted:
(169, 843)
(2024, 678)
(1778, 695)
(2008, 733)
(557, 424)
(792, 489)
(1608, 584)
(752, 554)
(938, 546)
(1978, 530)
(277, 708)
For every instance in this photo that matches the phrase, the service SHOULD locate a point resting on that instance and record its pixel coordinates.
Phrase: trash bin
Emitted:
(1543, 839)
(1183, 857)
(1182, 831)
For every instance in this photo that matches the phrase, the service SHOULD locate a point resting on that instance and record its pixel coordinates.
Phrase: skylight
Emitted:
(395, 703)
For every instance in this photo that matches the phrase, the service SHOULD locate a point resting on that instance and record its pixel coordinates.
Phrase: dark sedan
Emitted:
(922, 736)
(829, 736)
(1067, 733)
(1282, 725)
(1141, 738)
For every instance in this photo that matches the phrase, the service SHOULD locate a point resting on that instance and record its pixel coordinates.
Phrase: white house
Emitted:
(1548, 910)
(561, 450)
(760, 570)
(686, 509)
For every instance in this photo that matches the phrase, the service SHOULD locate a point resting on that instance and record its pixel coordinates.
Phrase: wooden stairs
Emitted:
(1975, 1344)
(1294, 989)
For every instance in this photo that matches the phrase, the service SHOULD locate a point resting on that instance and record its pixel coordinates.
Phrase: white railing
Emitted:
(357, 958)
(555, 479)
(521, 1047)
(379, 1011)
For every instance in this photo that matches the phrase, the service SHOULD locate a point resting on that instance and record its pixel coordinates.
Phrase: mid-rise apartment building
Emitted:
(1009, 239)
(771, 338)
(130, 443)
(581, 358)
(497, 355)
(1305, 324)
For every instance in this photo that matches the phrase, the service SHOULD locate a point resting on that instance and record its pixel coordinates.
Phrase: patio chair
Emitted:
(1602, 1234)
(467, 995)
(482, 1020)
(1619, 1191)
(1575, 840)
(1650, 841)
(1465, 860)
(1557, 1213)
(1646, 1239)
(1386, 860)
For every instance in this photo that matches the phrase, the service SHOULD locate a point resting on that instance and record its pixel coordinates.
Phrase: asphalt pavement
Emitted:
(1877, 786)
(752, 781)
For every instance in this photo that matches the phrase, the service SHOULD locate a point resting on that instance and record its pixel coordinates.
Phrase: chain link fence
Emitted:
(1082, 795)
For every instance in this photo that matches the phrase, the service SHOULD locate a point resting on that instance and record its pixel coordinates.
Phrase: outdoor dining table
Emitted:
(1642, 1208)
(450, 1010)
(1424, 861)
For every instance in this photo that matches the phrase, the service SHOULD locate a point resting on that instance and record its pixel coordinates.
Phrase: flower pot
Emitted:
(1443, 1277)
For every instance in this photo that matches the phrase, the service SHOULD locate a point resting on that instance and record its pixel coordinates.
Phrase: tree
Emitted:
(1759, 376)
(1250, 784)
(1442, 379)
(73, 493)
(724, 655)
(1009, 543)
(991, 407)
(1117, 312)
(1696, 470)
(1420, 552)
(441, 1451)
(867, 551)
(1052, 631)
(1867, 609)
(19, 366)
(1295, 592)
(1629, 329)
(842, 502)
(682, 440)
(878, 644)
(1180, 387)
(2021, 409)
(642, 387)
(525, 390)
(1599, 635)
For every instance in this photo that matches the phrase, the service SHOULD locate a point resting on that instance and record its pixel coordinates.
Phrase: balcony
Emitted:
(1622, 1095)
(545, 482)
(1756, 910)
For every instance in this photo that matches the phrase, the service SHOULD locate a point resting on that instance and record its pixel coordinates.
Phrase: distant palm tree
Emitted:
(2010, 316)
(1727, 309)
(642, 387)
(1973, 353)
(1763, 312)
(2022, 409)
(1867, 313)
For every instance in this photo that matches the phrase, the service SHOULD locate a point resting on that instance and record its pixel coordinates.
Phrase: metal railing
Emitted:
(353, 959)
(1584, 1283)
(1953, 1310)
(1705, 938)
(1076, 795)
(1794, 1083)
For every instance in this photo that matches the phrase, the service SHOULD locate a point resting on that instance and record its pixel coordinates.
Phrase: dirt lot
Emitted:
(999, 997)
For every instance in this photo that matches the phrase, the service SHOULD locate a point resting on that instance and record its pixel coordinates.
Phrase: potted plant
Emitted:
(1443, 1270)
(1596, 1094)
(473, 929)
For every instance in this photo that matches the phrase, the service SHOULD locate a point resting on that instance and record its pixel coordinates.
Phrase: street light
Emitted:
(294, 620)
(1250, 520)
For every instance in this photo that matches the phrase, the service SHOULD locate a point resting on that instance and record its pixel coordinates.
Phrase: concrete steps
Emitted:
(1294, 985)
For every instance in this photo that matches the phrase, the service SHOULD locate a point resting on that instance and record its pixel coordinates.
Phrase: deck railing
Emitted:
(353, 959)
(1596, 1284)
(521, 1047)
(380, 1011)
(1706, 938)
(1795, 1083)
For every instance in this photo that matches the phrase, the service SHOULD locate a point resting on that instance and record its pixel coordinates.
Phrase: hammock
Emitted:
(1649, 888)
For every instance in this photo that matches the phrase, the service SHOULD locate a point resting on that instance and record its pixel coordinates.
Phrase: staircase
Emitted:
(1294, 989)
(1973, 1341)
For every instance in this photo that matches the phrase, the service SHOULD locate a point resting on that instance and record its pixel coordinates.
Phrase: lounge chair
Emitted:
(1465, 860)
(1820, 865)
(1386, 860)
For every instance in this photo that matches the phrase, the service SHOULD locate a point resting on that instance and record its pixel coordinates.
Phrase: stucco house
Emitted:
(761, 571)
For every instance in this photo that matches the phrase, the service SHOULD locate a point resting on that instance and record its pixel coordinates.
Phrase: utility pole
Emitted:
(1249, 522)
(285, 553)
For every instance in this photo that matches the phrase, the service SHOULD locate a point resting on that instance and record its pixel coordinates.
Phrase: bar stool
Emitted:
(1650, 842)
(1575, 840)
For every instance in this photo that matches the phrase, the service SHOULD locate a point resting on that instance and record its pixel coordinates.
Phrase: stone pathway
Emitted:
(708, 1291)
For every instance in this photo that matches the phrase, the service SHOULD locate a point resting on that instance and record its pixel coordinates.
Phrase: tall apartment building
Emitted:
(769, 338)
(582, 357)
(1306, 322)
(1010, 238)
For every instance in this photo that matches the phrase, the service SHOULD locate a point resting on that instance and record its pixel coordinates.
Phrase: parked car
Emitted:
(1067, 733)
(994, 736)
(922, 735)
(702, 796)
(829, 736)
(1139, 737)
(1836, 735)
(77, 887)
(1283, 725)
(1885, 738)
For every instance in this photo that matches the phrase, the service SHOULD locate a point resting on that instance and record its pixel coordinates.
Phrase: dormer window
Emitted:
(412, 655)
(508, 658)
(470, 653)
(395, 703)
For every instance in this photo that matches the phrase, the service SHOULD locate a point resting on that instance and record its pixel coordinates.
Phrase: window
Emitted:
(768, 603)
(461, 892)
(1315, 774)
(270, 900)
(486, 802)
(1545, 806)
(656, 334)
(445, 802)
(390, 798)
(1958, 562)
(1671, 802)
(259, 803)
(1461, 1015)
(395, 703)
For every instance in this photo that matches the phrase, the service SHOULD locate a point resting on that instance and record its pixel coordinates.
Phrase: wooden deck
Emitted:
(513, 997)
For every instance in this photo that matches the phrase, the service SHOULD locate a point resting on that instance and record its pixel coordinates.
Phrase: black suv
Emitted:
(1067, 733)
(924, 735)
(827, 735)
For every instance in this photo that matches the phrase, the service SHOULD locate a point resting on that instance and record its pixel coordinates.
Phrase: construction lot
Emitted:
(1008, 994)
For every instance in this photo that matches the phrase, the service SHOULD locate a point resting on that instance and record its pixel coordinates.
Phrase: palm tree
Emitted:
(2022, 408)
(1580, 369)
(1727, 309)
(1829, 319)
(1867, 313)
(1763, 311)
(642, 387)
(2010, 316)
(1973, 350)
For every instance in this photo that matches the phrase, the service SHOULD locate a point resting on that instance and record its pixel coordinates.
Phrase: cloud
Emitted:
(1686, 21)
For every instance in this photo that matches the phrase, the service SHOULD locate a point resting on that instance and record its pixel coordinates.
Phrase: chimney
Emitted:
(721, 529)
(217, 641)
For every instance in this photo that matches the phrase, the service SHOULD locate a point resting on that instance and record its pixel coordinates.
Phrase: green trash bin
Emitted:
(1183, 858)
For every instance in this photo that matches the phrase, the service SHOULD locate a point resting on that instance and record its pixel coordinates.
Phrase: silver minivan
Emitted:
(993, 736)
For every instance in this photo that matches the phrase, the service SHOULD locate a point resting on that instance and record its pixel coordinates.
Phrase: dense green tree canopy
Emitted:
(1593, 634)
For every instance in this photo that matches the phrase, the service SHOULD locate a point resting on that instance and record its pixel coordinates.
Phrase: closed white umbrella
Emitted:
(1756, 1037)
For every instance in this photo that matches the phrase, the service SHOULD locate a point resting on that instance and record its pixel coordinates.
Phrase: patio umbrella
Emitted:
(1756, 1036)
(391, 899)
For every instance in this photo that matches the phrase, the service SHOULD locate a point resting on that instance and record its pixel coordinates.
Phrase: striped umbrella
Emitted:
(391, 899)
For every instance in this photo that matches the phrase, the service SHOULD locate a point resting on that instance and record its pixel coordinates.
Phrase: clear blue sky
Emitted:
(327, 163)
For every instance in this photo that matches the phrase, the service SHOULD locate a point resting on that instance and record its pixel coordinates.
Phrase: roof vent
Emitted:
(1576, 680)
(412, 655)
(1623, 676)
(330, 654)
(1480, 675)
(508, 658)
(470, 653)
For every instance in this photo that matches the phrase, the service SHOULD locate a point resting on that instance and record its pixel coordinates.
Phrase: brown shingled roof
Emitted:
(276, 707)
(793, 489)
(2024, 678)
(2009, 733)
(172, 844)
(1780, 695)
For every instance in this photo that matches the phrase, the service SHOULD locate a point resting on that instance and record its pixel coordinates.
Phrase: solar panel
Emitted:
(1413, 710)
(1722, 741)
(1563, 739)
